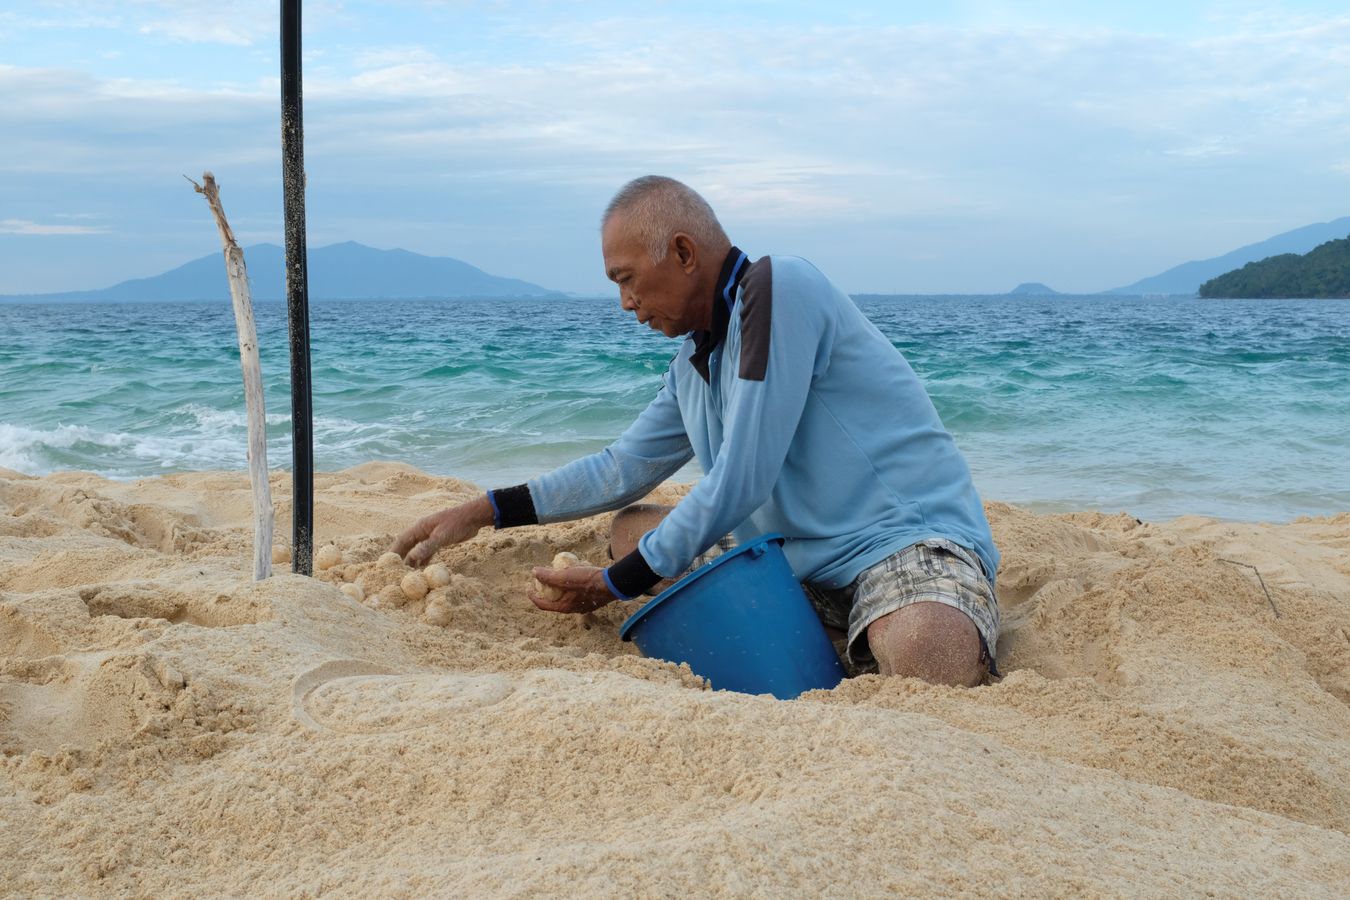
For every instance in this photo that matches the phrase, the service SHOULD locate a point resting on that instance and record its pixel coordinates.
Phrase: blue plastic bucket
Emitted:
(743, 622)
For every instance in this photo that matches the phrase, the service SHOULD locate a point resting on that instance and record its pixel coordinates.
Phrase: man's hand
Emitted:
(583, 588)
(449, 526)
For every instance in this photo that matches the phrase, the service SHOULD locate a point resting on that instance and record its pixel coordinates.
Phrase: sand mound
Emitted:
(1166, 724)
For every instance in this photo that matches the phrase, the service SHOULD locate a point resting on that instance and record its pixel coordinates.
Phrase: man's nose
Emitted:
(626, 300)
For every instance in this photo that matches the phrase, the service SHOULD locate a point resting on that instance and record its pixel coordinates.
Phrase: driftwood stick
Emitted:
(264, 515)
(1271, 600)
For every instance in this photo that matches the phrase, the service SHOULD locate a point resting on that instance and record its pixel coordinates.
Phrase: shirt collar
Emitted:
(724, 298)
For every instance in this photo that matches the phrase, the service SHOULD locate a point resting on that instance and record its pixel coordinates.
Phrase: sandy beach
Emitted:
(170, 728)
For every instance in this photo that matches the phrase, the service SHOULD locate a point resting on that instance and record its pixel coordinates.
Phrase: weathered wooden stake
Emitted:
(264, 515)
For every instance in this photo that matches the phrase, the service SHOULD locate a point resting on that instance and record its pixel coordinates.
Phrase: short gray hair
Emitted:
(657, 207)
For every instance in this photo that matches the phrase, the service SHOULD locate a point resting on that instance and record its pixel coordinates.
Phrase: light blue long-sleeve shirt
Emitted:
(807, 422)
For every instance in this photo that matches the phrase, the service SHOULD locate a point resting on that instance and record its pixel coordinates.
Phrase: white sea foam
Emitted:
(16, 442)
(209, 420)
(39, 451)
(207, 417)
(210, 439)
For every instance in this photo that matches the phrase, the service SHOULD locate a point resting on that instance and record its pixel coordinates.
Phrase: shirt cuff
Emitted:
(513, 506)
(630, 576)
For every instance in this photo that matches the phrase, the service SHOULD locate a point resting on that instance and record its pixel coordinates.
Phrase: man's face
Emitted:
(662, 295)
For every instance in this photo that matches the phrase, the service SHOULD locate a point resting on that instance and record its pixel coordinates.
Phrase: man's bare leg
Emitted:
(932, 641)
(631, 523)
(628, 527)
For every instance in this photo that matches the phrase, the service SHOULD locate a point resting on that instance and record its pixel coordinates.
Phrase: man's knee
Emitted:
(630, 524)
(932, 641)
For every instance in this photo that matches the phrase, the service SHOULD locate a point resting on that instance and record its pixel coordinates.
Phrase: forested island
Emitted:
(1323, 272)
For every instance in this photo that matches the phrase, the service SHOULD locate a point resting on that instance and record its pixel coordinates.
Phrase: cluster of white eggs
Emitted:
(388, 583)
(397, 584)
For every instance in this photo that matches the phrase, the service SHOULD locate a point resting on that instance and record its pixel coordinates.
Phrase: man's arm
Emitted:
(652, 448)
(647, 453)
(449, 526)
(780, 342)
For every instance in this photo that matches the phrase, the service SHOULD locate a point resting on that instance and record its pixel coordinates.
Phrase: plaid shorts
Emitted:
(931, 571)
(725, 543)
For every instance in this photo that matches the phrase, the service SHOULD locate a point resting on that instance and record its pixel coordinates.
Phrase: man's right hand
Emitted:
(449, 526)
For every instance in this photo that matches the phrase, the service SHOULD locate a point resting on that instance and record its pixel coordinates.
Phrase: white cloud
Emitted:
(378, 57)
(1035, 139)
(1205, 149)
(198, 30)
(24, 226)
(235, 23)
(67, 20)
(207, 22)
(425, 78)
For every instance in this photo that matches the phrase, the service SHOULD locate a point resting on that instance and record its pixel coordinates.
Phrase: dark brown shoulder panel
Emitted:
(756, 319)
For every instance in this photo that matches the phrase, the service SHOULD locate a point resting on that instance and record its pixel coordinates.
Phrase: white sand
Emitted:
(169, 728)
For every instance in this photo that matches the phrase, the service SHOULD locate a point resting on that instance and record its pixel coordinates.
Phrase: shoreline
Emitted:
(279, 478)
(165, 721)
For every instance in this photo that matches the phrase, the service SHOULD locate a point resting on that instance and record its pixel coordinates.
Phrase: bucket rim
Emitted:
(632, 621)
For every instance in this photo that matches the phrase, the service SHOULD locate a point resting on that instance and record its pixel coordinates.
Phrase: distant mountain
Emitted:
(1187, 277)
(1032, 289)
(1322, 272)
(336, 272)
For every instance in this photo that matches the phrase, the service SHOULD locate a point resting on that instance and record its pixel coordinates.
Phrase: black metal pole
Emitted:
(297, 290)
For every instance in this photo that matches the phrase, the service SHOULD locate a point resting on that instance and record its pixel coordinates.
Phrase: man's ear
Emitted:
(686, 251)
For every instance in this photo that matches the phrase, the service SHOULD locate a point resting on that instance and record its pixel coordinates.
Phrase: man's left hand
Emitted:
(583, 588)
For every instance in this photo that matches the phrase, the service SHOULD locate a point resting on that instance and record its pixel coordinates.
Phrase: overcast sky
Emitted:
(902, 150)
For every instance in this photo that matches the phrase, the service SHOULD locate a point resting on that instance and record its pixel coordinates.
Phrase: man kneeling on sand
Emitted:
(807, 423)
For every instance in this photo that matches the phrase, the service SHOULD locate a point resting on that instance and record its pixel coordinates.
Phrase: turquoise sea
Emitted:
(1235, 409)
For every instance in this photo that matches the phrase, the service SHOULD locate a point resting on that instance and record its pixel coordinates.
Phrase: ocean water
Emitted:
(1234, 409)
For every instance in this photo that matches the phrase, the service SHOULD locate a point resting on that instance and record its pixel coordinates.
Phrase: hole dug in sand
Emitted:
(23, 638)
(150, 600)
(82, 699)
(68, 682)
